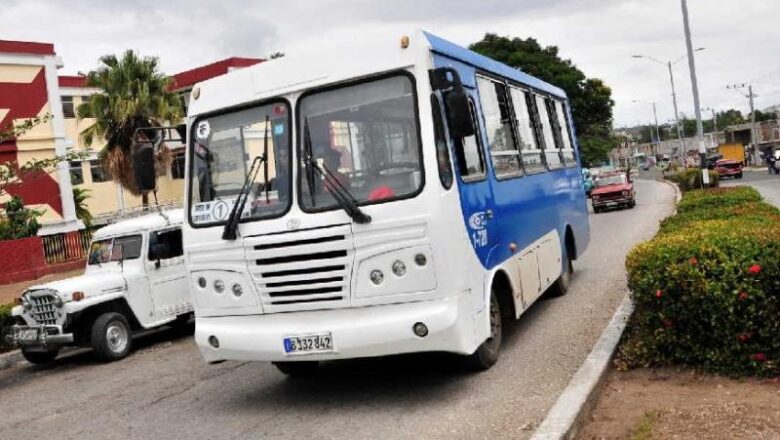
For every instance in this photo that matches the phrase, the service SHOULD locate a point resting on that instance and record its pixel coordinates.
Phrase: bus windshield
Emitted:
(366, 136)
(224, 147)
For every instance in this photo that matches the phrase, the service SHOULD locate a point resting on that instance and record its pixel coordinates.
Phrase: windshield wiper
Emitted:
(231, 225)
(343, 197)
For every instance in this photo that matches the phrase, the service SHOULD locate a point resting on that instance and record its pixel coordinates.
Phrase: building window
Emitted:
(99, 173)
(76, 173)
(68, 109)
(177, 165)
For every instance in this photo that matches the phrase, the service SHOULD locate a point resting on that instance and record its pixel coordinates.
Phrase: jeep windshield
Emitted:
(223, 148)
(366, 138)
(103, 251)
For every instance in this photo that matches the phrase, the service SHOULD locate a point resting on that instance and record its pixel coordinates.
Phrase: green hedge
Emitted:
(690, 178)
(5, 323)
(706, 289)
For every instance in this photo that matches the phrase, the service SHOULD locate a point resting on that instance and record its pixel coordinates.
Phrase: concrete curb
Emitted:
(564, 419)
(11, 359)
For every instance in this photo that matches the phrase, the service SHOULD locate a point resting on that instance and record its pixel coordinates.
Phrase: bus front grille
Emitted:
(303, 270)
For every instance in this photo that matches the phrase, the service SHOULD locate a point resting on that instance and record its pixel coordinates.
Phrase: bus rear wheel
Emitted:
(561, 286)
(487, 353)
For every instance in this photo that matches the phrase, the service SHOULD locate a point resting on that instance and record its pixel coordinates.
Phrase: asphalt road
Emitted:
(164, 390)
(767, 184)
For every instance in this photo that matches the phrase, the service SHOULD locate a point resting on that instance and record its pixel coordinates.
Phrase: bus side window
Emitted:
(498, 124)
(552, 153)
(442, 151)
(565, 134)
(526, 132)
(468, 152)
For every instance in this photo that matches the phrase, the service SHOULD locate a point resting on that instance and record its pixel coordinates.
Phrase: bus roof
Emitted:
(452, 50)
(340, 61)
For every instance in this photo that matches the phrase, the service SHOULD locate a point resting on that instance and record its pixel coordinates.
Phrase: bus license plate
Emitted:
(27, 335)
(317, 343)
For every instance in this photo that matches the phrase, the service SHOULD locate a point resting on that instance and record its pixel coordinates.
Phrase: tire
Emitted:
(739, 176)
(487, 353)
(111, 337)
(632, 204)
(40, 357)
(561, 286)
(596, 210)
(298, 369)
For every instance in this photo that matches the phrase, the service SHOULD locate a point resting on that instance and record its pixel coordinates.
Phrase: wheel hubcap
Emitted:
(116, 336)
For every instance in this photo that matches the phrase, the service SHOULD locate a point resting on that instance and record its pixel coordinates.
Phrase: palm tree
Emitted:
(80, 196)
(134, 94)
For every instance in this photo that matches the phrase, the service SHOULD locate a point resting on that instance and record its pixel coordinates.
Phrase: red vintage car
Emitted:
(612, 191)
(729, 168)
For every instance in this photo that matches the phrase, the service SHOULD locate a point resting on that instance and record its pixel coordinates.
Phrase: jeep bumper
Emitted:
(38, 336)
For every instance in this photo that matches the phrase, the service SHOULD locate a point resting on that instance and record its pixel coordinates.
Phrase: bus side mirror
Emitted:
(456, 100)
(143, 167)
(459, 119)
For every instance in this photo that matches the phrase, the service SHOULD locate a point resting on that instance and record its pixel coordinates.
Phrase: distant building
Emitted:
(30, 87)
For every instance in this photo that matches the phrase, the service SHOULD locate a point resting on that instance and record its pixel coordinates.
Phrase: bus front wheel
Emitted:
(487, 353)
(298, 368)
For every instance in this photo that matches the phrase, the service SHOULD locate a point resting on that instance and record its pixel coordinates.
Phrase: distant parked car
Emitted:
(587, 181)
(612, 190)
(729, 168)
(135, 279)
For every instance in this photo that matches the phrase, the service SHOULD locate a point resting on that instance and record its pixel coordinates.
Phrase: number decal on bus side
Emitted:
(479, 236)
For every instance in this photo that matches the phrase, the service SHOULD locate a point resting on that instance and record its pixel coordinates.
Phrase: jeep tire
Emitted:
(40, 357)
(111, 337)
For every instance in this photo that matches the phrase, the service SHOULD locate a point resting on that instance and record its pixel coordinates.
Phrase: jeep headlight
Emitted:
(26, 303)
(57, 301)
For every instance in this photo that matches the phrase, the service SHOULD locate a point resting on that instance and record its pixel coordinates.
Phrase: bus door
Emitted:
(476, 192)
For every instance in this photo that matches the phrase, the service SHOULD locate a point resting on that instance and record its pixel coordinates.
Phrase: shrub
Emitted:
(706, 289)
(5, 322)
(690, 178)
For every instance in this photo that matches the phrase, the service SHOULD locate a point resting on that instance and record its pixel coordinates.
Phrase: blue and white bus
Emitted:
(384, 197)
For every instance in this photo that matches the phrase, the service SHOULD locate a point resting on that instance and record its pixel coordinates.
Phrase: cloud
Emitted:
(598, 35)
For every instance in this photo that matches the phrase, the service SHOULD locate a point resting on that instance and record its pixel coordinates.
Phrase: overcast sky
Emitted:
(742, 37)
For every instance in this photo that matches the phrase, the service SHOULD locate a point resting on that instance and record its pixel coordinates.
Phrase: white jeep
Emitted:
(135, 279)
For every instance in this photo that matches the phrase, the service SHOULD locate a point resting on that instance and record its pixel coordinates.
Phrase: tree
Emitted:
(80, 196)
(14, 130)
(729, 117)
(590, 98)
(134, 95)
(18, 222)
(763, 117)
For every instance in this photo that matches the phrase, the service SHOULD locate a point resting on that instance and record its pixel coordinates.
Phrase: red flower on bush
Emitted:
(693, 261)
(759, 357)
(658, 294)
(668, 323)
(754, 269)
(743, 296)
(743, 337)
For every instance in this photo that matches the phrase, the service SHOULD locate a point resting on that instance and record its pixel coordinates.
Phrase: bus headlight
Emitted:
(399, 268)
(237, 290)
(377, 276)
(219, 286)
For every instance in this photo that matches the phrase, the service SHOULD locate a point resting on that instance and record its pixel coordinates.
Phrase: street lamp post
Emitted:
(695, 86)
(669, 65)
(657, 131)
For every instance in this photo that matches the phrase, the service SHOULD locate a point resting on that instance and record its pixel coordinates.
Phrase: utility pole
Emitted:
(680, 137)
(753, 138)
(699, 126)
(657, 132)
